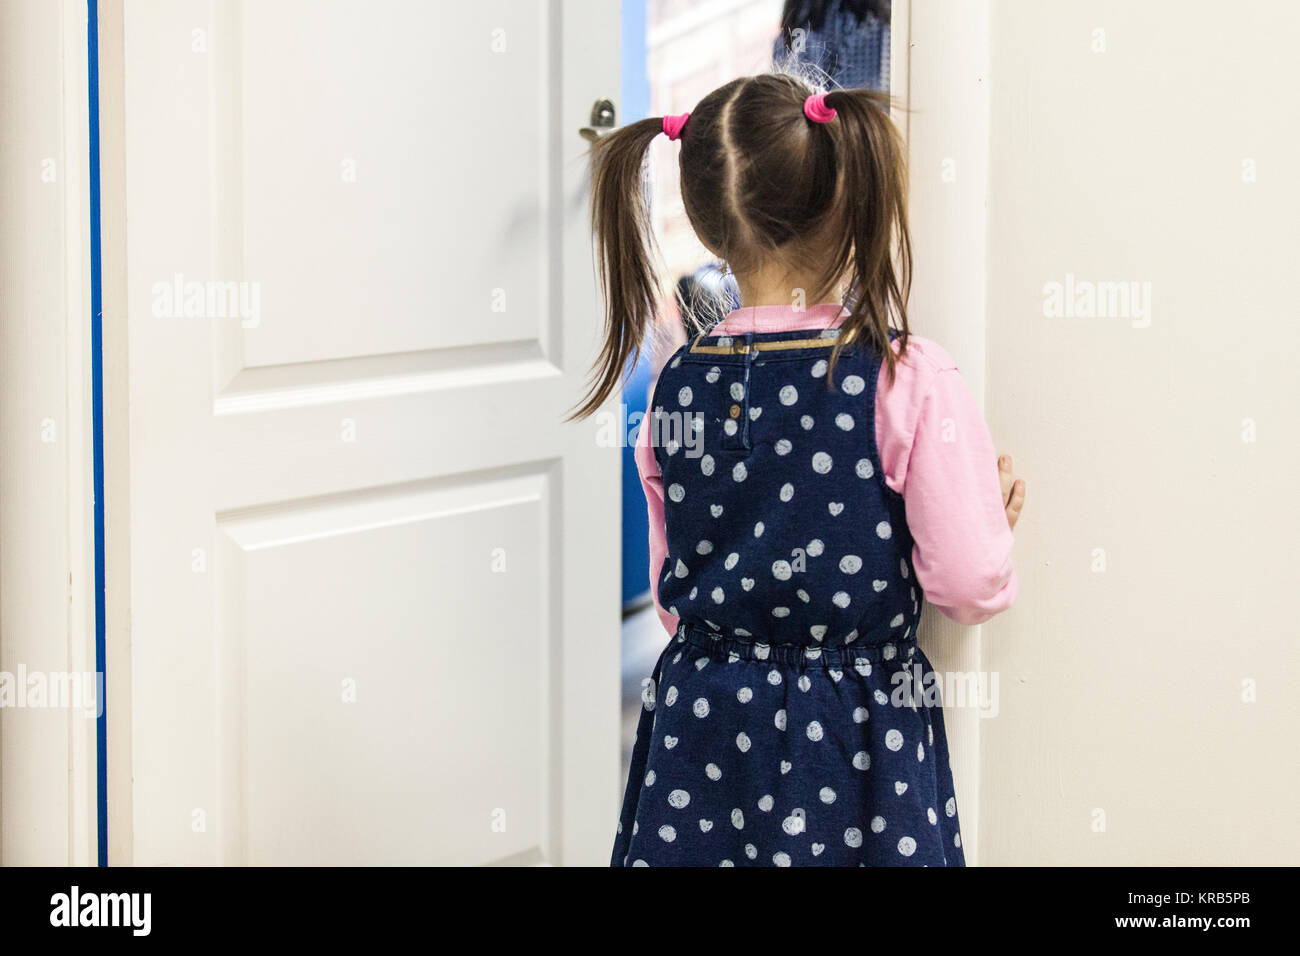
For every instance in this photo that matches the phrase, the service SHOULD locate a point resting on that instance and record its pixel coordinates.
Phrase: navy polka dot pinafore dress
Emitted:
(792, 720)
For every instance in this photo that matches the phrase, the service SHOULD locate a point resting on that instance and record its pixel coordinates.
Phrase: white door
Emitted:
(363, 582)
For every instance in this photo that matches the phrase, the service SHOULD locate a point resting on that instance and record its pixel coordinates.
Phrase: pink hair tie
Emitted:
(673, 125)
(815, 109)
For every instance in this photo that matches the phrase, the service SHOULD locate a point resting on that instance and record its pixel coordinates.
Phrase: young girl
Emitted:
(811, 471)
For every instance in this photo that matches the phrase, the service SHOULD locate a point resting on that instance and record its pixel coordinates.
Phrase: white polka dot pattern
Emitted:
(781, 736)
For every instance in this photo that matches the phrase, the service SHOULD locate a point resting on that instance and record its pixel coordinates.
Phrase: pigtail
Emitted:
(872, 200)
(624, 248)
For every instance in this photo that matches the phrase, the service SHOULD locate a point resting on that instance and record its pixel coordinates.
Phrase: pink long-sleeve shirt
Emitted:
(936, 452)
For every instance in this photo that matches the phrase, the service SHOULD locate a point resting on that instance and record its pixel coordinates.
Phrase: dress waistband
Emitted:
(724, 648)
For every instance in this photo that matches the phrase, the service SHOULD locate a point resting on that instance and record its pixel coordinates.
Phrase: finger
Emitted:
(1005, 475)
(1016, 503)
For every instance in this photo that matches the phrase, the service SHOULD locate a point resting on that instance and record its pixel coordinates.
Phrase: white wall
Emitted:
(1146, 675)
(46, 620)
(1122, 689)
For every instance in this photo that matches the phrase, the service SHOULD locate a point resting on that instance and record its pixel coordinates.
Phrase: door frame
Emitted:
(48, 779)
(940, 58)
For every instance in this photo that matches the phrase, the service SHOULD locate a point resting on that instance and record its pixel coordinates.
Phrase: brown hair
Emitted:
(761, 182)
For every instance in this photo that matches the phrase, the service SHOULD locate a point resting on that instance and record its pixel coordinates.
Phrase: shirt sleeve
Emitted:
(936, 452)
(652, 484)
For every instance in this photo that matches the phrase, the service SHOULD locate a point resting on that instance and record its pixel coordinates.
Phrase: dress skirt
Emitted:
(756, 755)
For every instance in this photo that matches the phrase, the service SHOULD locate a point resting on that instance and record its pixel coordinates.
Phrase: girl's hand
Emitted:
(1013, 490)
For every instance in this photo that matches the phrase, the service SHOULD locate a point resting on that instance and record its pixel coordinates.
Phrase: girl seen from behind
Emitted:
(811, 470)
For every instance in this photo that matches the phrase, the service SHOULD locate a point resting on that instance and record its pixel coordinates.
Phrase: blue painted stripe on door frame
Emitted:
(97, 431)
